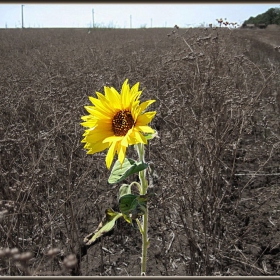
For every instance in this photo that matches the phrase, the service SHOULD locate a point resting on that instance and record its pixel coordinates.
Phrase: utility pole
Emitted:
(92, 18)
(130, 21)
(22, 24)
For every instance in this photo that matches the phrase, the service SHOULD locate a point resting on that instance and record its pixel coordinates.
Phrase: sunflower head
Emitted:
(115, 121)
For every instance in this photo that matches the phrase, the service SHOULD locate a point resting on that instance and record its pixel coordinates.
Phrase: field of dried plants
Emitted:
(216, 207)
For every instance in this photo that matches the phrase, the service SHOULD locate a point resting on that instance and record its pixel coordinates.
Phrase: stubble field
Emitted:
(216, 210)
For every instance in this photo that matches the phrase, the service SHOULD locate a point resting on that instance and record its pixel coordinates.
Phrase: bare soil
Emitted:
(216, 209)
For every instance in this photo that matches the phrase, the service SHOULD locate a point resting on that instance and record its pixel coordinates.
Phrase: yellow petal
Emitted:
(134, 92)
(137, 110)
(98, 147)
(88, 117)
(124, 141)
(104, 101)
(132, 141)
(125, 95)
(100, 106)
(145, 104)
(121, 153)
(146, 129)
(145, 118)
(113, 97)
(90, 123)
(140, 138)
(98, 136)
(112, 139)
(96, 113)
(110, 155)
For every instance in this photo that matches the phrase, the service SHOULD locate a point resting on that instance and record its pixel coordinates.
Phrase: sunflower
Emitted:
(116, 121)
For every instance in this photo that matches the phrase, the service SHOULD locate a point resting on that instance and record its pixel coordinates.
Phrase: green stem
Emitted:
(145, 244)
(144, 231)
(139, 225)
(138, 186)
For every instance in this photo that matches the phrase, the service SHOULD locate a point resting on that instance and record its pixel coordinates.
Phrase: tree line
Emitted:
(271, 16)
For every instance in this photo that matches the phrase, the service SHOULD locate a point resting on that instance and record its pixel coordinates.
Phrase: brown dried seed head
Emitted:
(17, 257)
(53, 252)
(71, 257)
(70, 261)
(7, 252)
(26, 256)
(14, 251)
(2, 253)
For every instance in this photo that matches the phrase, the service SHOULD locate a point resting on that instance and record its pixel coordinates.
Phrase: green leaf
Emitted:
(127, 218)
(124, 189)
(150, 136)
(107, 224)
(129, 167)
(133, 206)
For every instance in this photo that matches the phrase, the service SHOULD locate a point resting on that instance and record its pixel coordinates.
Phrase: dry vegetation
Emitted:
(216, 209)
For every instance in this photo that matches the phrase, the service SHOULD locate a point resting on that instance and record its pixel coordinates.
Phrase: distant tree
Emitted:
(276, 18)
(271, 16)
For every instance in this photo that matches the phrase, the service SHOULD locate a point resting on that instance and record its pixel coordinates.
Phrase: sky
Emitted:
(126, 15)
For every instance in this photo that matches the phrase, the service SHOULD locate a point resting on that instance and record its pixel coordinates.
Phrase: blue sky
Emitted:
(121, 15)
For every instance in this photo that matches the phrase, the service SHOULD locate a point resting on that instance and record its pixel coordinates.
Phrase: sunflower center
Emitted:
(122, 123)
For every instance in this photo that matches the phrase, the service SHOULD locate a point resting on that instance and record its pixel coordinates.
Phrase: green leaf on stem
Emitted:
(124, 189)
(129, 167)
(132, 206)
(107, 224)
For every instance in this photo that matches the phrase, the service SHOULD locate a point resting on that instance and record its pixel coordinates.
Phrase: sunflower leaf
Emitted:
(129, 167)
(107, 224)
(133, 206)
(124, 189)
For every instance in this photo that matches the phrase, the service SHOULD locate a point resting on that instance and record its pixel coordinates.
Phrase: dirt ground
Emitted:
(216, 206)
